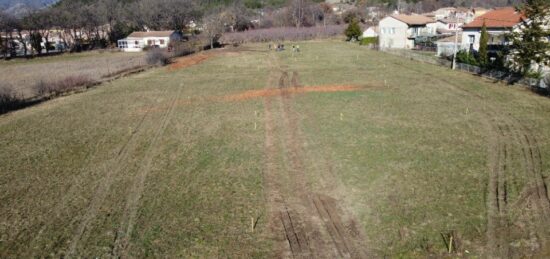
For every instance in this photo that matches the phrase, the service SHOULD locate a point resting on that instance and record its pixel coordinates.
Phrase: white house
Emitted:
(371, 32)
(498, 22)
(400, 31)
(136, 41)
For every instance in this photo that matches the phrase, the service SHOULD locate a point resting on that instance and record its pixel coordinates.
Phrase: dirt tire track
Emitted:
(295, 234)
(322, 205)
(349, 240)
(499, 160)
(512, 134)
(104, 187)
(280, 218)
(121, 243)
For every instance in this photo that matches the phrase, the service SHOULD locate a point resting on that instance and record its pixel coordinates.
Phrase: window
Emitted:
(149, 42)
(161, 42)
(471, 39)
(392, 30)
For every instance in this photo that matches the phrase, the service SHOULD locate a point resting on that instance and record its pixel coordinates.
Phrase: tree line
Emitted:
(99, 23)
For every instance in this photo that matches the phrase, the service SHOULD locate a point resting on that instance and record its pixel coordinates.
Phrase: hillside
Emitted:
(334, 152)
(11, 5)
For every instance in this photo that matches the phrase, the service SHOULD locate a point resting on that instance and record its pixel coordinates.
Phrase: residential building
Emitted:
(371, 32)
(498, 22)
(449, 26)
(400, 31)
(136, 41)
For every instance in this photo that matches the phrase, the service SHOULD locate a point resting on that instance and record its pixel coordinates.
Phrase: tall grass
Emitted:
(283, 34)
(70, 83)
(28, 77)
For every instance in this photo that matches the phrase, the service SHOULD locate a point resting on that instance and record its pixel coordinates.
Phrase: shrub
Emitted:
(369, 41)
(44, 88)
(466, 57)
(157, 57)
(9, 100)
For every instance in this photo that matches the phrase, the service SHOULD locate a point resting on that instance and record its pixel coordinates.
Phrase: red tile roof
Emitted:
(506, 17)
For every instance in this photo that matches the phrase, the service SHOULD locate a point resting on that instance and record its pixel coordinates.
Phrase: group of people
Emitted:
(281, 47)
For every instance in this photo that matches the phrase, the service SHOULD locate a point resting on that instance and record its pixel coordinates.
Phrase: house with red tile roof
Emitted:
(499, 22)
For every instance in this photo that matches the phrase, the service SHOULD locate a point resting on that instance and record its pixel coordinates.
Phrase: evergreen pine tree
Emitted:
(530, 48)
(483, 41)
(353, 32)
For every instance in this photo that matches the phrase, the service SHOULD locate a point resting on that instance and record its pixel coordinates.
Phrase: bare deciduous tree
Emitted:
(213, 27)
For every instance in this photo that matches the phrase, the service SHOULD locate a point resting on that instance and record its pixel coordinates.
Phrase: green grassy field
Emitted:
(332, 152)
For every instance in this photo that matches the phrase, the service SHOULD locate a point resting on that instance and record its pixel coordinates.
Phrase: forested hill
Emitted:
(248, 3)
(20, 6)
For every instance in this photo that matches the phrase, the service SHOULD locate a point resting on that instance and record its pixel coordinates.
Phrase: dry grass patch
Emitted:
(24, 75)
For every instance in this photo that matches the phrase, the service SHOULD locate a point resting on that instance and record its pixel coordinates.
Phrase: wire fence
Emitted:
(424, 57)
(543, 83)
(504, 76)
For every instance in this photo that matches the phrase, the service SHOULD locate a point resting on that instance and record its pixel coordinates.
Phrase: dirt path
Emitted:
(304, 223)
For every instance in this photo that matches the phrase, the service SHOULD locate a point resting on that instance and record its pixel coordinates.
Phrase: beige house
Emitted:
(400, 31)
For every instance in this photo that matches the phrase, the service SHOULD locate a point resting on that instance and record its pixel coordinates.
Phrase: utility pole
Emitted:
(455, 48)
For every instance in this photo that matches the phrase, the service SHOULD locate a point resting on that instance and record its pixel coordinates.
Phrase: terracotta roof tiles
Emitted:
(506, 17)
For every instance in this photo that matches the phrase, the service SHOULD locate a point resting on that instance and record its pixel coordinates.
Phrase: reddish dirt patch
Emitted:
(269, 92)
(191, 60)
(253, 94)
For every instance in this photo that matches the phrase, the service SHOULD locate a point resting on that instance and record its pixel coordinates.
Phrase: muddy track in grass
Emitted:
(499, 165)
(305, 224)
(122, 238)
(509, 141)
